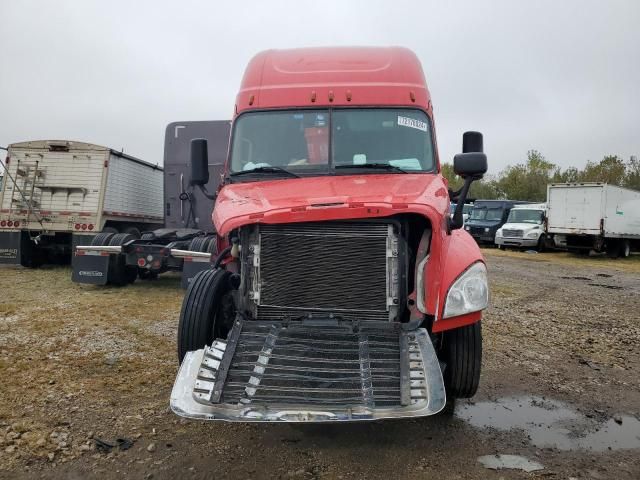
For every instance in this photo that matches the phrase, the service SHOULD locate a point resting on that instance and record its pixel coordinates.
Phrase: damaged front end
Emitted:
(305, 372)
(320, 330)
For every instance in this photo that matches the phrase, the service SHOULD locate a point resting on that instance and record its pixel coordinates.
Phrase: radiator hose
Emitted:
(221, 256)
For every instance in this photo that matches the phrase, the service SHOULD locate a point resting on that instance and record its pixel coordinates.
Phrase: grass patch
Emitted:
(7, 309)
(630, 264)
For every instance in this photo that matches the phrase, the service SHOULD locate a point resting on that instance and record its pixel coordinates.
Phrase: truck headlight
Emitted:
(467, 227)
(469, 293)
(486, 229)
(532, 235)
(499, 232)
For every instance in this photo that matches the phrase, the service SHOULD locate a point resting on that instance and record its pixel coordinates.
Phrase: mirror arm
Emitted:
(457, 221)
(210, 196)
(453, 194)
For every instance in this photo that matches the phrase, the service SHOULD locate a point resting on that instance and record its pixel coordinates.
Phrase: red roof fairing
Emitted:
(367, 76)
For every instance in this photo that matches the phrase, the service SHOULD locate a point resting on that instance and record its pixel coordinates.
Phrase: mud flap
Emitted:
(298, 371)
(91, 268)
(191, 267)
(10, 248)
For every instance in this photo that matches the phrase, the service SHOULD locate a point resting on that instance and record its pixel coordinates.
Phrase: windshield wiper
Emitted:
(376, 166)
(270, 170)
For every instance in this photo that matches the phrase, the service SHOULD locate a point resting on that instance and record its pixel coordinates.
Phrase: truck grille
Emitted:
(512, 233)
(324, 366)
(346, 270)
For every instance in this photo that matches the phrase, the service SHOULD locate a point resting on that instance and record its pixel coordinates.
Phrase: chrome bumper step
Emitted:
(302, 371)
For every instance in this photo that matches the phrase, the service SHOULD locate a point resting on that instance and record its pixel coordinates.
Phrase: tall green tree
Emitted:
(611, 169)
(484, 188)
(527, 181)
(632, 177)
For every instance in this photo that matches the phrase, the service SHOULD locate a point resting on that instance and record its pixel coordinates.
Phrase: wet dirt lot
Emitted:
(560, 386)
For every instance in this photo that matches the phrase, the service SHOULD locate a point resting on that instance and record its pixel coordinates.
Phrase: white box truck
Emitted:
(60, 193)
(595, 216)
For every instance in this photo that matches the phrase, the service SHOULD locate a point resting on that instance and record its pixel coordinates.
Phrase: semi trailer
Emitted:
(595, 216)
(343, 290)
(187, 240)
(61, 193)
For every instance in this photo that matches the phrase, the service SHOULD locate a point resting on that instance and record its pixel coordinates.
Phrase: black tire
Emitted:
(109, 230)
(148, 236)
(462, 354)
(449, 407)
(542, 243)
(197, 326)
(212, 247)
(197, 244)
(120, 273)
(501, 247)
(132, 231)
(101, 239)
(614, 248)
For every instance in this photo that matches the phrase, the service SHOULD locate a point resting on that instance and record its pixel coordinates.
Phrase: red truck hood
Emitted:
(328, 198)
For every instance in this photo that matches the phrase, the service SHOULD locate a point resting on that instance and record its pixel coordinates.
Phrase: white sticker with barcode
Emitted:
(412, 123)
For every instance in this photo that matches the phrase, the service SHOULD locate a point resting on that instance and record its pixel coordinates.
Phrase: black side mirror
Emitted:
(471, 165)
(199, 162)
(472, 142)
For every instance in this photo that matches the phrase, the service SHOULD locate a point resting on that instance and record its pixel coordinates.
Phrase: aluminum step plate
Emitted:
(302, 372)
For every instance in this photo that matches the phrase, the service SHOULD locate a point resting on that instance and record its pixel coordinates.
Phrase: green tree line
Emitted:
(528, 181)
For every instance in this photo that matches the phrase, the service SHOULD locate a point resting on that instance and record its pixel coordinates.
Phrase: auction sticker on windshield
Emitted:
(412, 123)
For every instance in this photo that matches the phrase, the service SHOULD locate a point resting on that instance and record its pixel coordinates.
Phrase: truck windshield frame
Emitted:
(522, 215)
(491, 214)
(314, 142)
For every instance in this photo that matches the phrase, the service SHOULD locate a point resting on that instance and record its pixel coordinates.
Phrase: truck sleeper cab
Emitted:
(345, 291)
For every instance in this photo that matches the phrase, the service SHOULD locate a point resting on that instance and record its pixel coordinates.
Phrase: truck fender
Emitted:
(462, 251)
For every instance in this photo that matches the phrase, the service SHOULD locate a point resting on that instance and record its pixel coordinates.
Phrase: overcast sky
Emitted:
(562, 77)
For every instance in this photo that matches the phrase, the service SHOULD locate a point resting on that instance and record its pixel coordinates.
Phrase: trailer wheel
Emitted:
(198, 324)
(462, 354)
(120, 273)
(614, 249)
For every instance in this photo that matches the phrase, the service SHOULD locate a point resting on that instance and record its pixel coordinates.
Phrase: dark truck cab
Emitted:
(187, 243)
(345, 291)
(486, 217)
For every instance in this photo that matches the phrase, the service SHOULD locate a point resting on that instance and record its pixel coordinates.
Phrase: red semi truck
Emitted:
(343, 289)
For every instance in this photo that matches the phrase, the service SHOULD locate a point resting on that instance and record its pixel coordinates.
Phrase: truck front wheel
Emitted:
(199, 323)
(461, 352)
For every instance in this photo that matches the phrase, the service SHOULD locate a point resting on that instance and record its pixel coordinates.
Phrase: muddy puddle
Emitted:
(549, 423)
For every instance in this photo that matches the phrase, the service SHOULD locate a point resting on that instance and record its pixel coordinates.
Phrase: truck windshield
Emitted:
(525, 216)
(328, 141)
(484, 213)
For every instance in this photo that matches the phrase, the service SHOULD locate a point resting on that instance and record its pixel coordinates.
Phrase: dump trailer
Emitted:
(595, 216)
(187, 242)
(343, 289)
(61, 193)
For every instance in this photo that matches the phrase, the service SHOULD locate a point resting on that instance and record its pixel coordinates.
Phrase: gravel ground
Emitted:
(81, 365)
